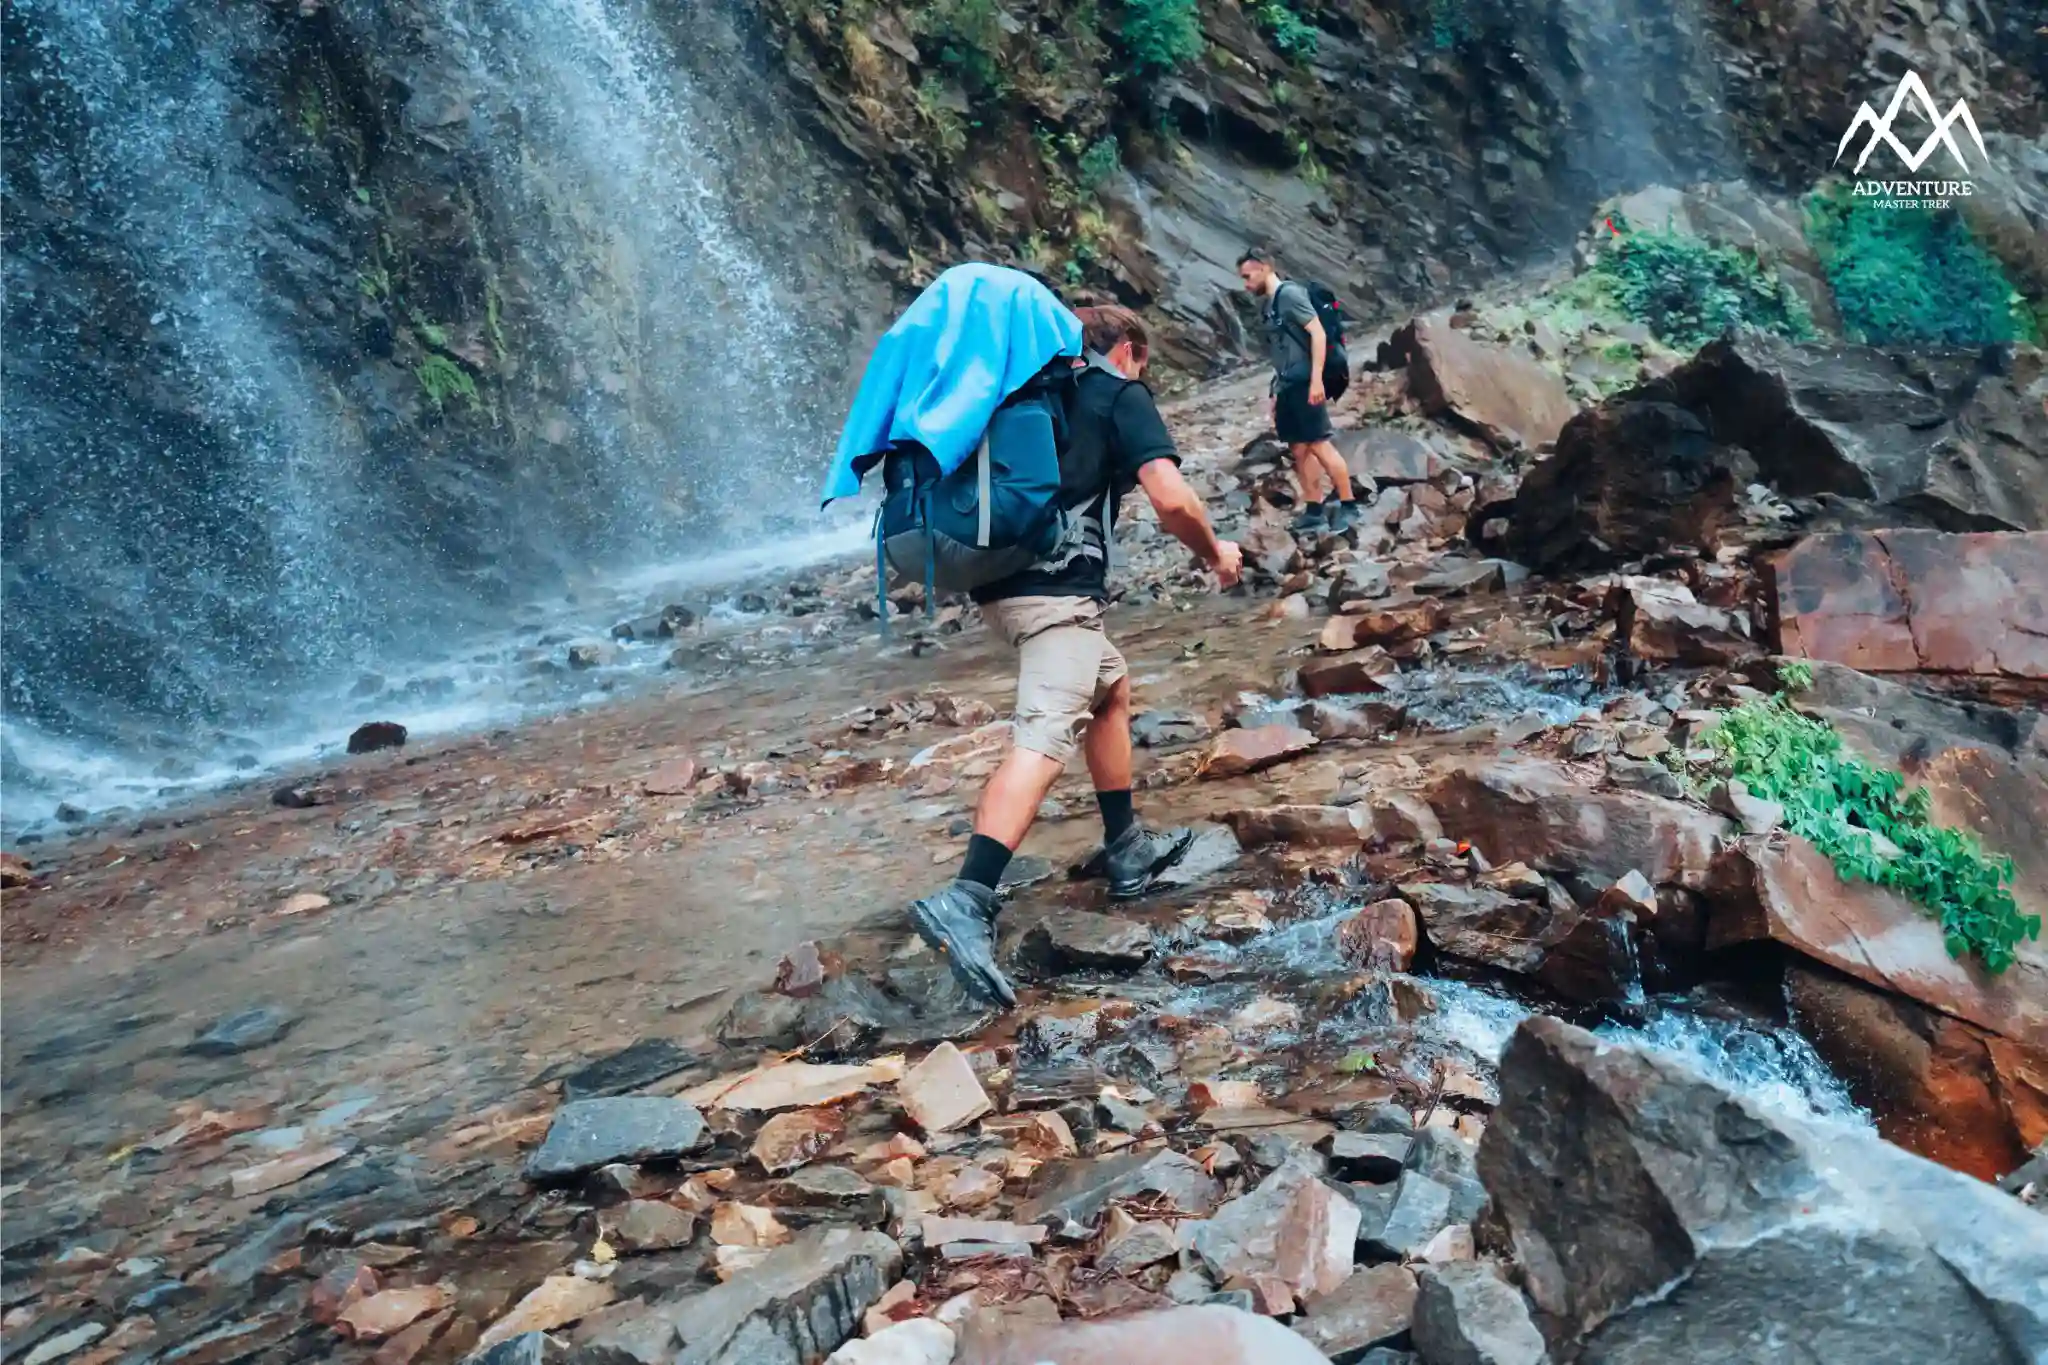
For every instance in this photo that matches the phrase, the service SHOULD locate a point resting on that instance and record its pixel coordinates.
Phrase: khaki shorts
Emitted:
(1066, 667)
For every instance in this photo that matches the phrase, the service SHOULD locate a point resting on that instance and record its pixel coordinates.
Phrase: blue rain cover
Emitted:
(975, 336)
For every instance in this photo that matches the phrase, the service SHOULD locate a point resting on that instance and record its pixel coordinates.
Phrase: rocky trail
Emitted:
(1488, 1019)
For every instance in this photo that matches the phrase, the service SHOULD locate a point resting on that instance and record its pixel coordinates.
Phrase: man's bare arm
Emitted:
(1184, 518)
(1318, 351)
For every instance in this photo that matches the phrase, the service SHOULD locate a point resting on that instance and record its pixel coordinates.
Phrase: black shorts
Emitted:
(1296, 420)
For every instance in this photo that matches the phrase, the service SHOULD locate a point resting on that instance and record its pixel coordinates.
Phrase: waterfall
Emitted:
(241, 239)
(1645, 96)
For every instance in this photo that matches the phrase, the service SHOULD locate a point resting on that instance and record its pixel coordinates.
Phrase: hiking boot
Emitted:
(1313, 521)
(1344, 515)
(1138, 855)
(959, 920)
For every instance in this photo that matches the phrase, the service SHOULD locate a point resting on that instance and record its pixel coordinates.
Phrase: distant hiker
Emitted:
(1305, 341)
(1073, 688)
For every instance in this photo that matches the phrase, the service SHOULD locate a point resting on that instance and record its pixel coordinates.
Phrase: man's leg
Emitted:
(1308, 472)
(1131, 854)
(1059, 645)
(1325, 453)
(1314, 516)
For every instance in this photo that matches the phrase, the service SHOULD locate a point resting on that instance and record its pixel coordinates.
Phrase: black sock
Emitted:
(986, 859)
(1117, 815)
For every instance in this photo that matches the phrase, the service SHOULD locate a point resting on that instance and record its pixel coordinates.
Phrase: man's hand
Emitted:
(1316, 395)
(1228, 565)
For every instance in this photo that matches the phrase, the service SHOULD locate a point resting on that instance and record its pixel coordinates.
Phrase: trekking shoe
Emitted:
(959, 920)
(1139, 855)
(1313, 521)
(1344, 515)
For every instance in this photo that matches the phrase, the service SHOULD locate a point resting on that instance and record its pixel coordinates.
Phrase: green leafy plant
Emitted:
(1795, 675)
(433, 333)
(1101, 163)
(1161, 34)
(1863, 819)
(1913, 275)
(1688, 291)
(948, 127)
(1291, 35)
(312, 113)
(1450, 23)
(443, 379)
(971, 41)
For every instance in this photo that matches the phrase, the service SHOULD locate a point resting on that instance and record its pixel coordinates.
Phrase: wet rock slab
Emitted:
(1068, 940)
(1679, 1222)
(244, 1031)
(639, 1064)
(587, 1134)
(800, 1303)
(1078, 1191)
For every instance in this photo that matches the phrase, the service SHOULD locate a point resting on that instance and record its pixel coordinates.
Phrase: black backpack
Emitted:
(1336, 363)
(1330, 312)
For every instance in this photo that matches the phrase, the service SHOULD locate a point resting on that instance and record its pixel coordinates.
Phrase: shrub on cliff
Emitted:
(1688, 291)
(1160, 35)
(1913, 275)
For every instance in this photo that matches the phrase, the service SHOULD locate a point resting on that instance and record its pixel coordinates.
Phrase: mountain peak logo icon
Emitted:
(1940, 136)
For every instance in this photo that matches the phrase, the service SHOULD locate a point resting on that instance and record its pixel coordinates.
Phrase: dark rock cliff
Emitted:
(1400, 149)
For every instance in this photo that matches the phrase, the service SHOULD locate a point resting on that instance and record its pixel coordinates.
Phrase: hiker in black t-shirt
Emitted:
(1298, 348)
(1073, 689)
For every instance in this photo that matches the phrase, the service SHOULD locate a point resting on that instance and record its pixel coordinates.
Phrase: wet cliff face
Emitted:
(336, 328)
(1400, 149)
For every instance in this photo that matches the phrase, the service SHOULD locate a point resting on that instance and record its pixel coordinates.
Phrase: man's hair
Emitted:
(1104, 326)
(1256, 253)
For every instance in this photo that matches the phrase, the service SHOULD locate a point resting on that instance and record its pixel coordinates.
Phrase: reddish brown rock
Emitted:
(677, 777)
(1385, 623)
(340, 1289)
(941, 1092)
(1534, 811)
(1270, 548)
(1403, 818)
(1934, 1084)
(1483, 925)
(1383, 935)
(1236, 752)
(1364, 670)
(802, 971)
(791, 1139)
(391, 1310)
(1506, 399)
(1300, 826)
(1967, 606)
(1665, 624)
(1789, 893)
(14, 872)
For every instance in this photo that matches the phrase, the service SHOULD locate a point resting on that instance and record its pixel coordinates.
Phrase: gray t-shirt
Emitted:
(1286, 315)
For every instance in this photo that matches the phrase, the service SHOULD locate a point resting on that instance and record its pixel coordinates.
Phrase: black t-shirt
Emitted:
(1114, 430)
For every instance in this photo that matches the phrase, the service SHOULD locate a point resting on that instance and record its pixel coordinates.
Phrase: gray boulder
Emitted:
(587, 1134)
(1657, 1217)
(795, 1308)
(1465, 1314)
